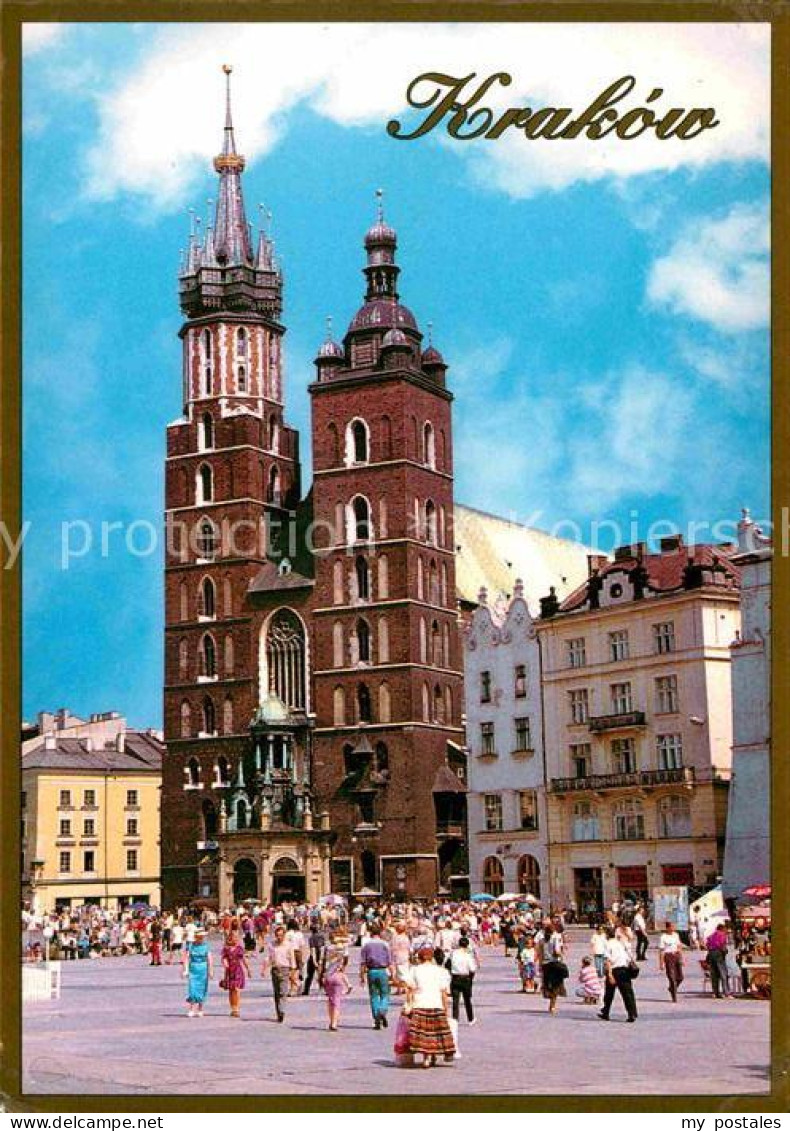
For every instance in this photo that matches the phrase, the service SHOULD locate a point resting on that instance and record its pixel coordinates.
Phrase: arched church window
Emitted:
(206, 431)
(436, 645)
(205, 484)
(207, 346)
(360, 515)
(227, 716)
(429, 525)
(183, 659)
(273, 492)
(193, 772)
(274, 434)
(363, 641)
(383, 641)
(183, 601)
(339, 707)
(433, 583)
(207, 598)
(286, 658)
(208, 656)
(209, 716)
(384, 703)
(241, 378)
(357, 442)
(364, 706)
(241, 342)
(229, 655)
(384, 584)
(207, 539)
(186, 720)
(363, 578)
(429, 444)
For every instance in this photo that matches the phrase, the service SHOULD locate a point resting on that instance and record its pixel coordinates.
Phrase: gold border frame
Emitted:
(13, 14)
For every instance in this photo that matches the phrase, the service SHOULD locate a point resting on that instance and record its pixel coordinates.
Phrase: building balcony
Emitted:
(621, 720)
(639, 779)
(450, 830)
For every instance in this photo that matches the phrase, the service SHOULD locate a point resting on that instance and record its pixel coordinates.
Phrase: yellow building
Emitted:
(637, 702)
(90, 813)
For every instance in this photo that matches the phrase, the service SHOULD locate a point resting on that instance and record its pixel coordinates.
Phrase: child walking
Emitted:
(590, 987)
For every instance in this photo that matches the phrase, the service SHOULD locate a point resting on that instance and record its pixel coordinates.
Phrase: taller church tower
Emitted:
(232, 473)
(387, 661)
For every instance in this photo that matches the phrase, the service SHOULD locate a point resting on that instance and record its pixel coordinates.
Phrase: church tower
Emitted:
(232, 472)
(387, 664)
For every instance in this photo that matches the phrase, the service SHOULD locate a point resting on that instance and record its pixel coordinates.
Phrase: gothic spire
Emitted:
(232, 245)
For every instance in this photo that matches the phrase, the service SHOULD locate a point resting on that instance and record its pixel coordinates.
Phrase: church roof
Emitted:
(491, 552)
(447, 782)
(271, 577)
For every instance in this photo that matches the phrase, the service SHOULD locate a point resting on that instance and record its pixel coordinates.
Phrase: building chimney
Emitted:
(89, 744)
(50, 741)
(549, 606)
(62, 717)
(120, 741)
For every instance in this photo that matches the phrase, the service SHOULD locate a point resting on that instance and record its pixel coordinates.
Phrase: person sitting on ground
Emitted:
(590, 987)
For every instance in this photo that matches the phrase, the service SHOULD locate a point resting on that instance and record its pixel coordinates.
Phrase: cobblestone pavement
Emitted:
(120, 1027)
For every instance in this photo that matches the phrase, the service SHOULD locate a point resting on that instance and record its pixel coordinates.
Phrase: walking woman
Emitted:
(198, 970)
(553, 969)
(428, 995)
(332, 976)
(670, 958)
(236, 970)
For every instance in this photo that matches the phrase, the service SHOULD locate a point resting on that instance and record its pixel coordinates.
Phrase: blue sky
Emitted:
(604, 310)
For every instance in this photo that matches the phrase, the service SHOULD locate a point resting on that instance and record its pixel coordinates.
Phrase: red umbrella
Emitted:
(758, 891)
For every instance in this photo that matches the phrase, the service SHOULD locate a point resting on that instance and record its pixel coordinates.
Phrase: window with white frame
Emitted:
(487, 738)
(528, 809)
(89, 827)
(584, 825)
(64, 827)
(520, 681)
(622, 703)
(523, 733)
(89, 798)
(666, 694)
(579, 701)
(89, 861)
(131, 826)
(65, 799)
(664, 637)
(629, 821)
(64, 862)
(131, 860)
(618, 645)
(577, 652)
(674, 816)
(623, 756)
(492, 808)
(669, 748)
(132, 798)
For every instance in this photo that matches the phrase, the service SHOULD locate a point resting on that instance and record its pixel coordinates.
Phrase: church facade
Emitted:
(313, 668)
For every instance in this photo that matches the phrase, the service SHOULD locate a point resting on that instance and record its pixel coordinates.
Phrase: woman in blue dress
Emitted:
(198, 970)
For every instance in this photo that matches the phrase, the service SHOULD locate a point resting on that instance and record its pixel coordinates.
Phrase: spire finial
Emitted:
(329, 327)
(228, 71)
(430, 333)
(380, 204)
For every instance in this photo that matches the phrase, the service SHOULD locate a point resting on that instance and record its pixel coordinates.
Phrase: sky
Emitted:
(603, 306)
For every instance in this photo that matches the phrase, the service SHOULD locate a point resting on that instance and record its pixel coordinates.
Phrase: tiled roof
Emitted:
(142, 752)
(447, 782)
(666, 571)
(494, 552)
(269, 578)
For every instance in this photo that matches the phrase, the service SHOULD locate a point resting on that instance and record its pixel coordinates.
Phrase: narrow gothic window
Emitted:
(274, 434)
(357, 449)
(207, 539)
(436, 645)
(337, 644)
(337, 573)
(448, 705)
(193, 771)
(209, 717)
(207, 389)
(429, 445)
(207, 601)
(423, 642)
(363, 641)
(207, 431)
(430, 522)
(438, 705)
(384, 703)
(339, 706)
(426, 703)
(227, 716)
(363, 578)
(444, 583)
(383, 641)
(223, 771)
(229, 657)
(420, 580)
(273, 494)
(227, 596)
(186, 721)
(208, 654)
(241, 342)
(183, 659)
(205, 479)
(364, 711)
(361, 519)
(384, 589)
(183, 601)
(286, 658)
(446, 645)
(433, 584)
(241, 379)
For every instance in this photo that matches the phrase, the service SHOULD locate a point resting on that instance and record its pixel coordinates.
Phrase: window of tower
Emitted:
(436, 645)
(229, 657)
(207, 539)
(208, 657)
(357, 442)
(241, 342)
(286, 658)
(193, 772)
(363, 641)
(273, 490)
(382, 757)
(208, 606)
(206, 433)
(430, 522)
(438, 705)
(364, 708)
(429, 445)
(433, 584)
(241, 379)
(207, 363)
(227, 716)
(223, 771)
(360, 513)
(186, 721)
(274, 434)
(209, 717)
(205, 484)
(183, 659)
(363, 578)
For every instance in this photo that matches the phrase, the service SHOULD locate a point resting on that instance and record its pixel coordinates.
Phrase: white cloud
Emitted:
(718, 271)
(160, 120)
(37, 37)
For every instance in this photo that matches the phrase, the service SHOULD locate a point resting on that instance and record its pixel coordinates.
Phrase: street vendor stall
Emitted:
(753, 947)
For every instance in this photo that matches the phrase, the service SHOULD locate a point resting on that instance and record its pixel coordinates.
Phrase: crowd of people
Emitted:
(425, 954)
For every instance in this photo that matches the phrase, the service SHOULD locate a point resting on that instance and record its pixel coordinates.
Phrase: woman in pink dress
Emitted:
(234, 965)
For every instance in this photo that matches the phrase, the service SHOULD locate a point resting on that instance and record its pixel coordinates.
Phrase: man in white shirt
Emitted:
(618, 976)
(639, 925)
(462, 970)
